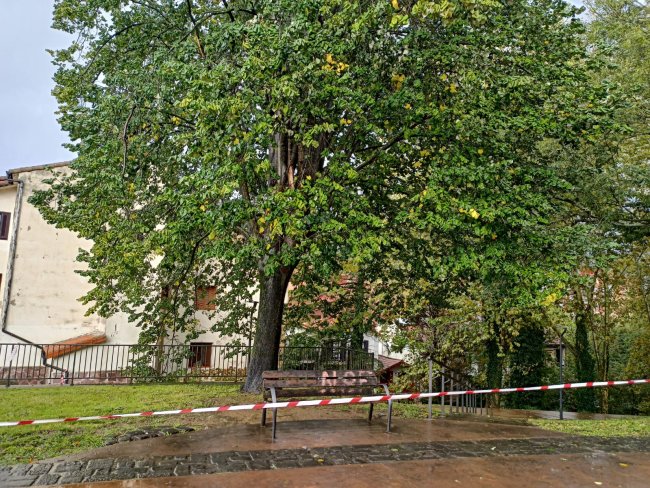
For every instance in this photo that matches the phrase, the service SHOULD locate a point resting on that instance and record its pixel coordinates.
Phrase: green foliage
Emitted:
(230, 145)
(585, 397)
(638, 366)
(527, 367)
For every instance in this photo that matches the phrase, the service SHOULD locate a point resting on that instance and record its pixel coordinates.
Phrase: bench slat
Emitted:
(317, 374)
(316, 392)
(302, 382)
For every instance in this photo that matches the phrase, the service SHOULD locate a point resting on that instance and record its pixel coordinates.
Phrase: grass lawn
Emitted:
(30, 443)
(633, 427)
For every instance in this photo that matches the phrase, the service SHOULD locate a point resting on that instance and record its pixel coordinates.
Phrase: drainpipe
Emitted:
(10, 274)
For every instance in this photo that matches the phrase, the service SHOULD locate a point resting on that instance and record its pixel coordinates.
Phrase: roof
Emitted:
(27, 169)
(71, 345)
(389, 363)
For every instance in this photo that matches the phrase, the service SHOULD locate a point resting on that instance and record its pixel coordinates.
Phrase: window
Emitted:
(204, 299)
(5, 219)
(200, 355)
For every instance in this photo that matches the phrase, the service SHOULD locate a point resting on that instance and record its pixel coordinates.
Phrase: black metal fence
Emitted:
(30, 364)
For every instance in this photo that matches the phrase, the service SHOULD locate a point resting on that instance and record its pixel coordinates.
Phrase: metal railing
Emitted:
(22, 364)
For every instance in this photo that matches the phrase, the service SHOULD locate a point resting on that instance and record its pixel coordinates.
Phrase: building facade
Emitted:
(40, 291)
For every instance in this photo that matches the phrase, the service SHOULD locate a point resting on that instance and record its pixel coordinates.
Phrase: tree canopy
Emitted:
(230, 143)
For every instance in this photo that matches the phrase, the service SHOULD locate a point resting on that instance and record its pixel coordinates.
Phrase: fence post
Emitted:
(430, 388)
(442, 389)
(74, 363)
(561, 376)
(14, 352)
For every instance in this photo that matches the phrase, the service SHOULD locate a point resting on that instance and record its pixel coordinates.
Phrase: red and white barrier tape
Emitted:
(332, 401)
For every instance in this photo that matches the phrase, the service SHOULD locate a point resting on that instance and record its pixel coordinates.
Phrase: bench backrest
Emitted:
(299, 383)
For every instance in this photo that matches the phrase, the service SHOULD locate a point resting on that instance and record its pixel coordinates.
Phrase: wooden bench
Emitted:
(296, 384)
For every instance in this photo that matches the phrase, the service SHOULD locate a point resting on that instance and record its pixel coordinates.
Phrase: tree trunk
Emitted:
(358, 324)
(266, 345)
(585, 397)
(162, 334)
(494, 365)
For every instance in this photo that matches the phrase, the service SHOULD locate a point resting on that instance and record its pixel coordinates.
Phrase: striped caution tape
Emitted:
(330, 401)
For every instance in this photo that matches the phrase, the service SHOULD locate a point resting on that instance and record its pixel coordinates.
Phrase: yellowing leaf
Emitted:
(329, 59)
(453, 88)
(550, 299)
(202, 208)
(261, 230)
(345, 121)
(395, 4)
(212, 236)
(443, 77)
(398, 80)
(473, 213)
(480, 151)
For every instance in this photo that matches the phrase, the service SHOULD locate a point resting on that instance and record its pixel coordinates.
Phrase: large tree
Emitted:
(228, 142)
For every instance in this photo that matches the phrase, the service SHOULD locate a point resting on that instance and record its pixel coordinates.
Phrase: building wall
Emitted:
(44, 304)
(376, 346)
(7, 201)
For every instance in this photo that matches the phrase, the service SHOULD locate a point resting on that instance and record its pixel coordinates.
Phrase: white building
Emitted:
(40, 290)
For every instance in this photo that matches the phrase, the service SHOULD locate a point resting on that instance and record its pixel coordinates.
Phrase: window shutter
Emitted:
(5, 219)
(204, 298)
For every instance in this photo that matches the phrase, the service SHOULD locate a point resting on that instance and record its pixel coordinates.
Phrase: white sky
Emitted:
(29, 132)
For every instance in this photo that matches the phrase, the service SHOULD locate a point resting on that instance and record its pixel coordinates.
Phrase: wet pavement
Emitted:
(573, 470)
(351, 453)
(314, 433)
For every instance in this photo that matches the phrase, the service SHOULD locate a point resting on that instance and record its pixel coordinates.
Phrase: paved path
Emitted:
(626, 470)
(96, 470)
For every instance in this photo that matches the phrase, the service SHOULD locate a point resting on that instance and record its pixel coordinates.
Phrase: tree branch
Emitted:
(125, 139)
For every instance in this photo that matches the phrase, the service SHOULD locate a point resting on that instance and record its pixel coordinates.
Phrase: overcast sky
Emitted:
(29, 132)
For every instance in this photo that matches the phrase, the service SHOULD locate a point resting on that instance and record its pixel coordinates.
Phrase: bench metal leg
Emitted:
(390, 408)
(275, 413)
(275, 416)
(372, 405)
(264, 417)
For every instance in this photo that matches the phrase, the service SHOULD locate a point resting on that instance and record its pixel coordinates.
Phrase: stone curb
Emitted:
(236, 461)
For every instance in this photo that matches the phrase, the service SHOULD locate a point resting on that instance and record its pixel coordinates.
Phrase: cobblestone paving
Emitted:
(233, 461)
